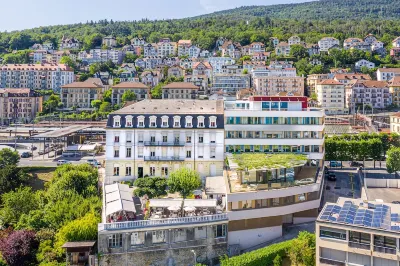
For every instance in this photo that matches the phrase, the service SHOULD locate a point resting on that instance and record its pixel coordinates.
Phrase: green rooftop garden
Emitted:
(258, 161)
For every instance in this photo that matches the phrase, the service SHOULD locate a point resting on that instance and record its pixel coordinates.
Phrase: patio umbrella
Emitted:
(189, 209)
(173, 208)
(197, 192)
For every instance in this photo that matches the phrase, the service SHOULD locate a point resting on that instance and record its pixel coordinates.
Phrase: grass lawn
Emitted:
(256, 161)
(40, 176)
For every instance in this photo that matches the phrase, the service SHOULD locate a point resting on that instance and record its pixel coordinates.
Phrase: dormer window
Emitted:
(153, 121)
(164, 122)
(213, 121)
(117, 121)
(200, 121)
(177, 121)
(140, 121)
(189, 123)
(128, 122)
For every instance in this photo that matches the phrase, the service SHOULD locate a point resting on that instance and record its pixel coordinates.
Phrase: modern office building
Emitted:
(275, 154)
(156, 137)
(356, 232)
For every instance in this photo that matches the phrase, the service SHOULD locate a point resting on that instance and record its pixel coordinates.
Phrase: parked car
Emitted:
(26, 154)
(335, 164)
(61, 162)
(331, 177)
(92, 161)
(33, 148)
(356, 164)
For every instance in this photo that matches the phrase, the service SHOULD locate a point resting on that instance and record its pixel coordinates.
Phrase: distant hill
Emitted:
(319, 10)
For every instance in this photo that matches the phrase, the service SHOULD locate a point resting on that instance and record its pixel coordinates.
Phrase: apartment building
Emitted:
(350, 42)
(282, 49)
(109, 41)
(19, 105)
(395, 123)
(166, 48)
(150, 49)
(218, 62)
(356, 232)
(128, 72)
(202, 68)
(364, 63)
(294, 40)
(231, 49)
(326, 43)
(394, 89)
(55, 57)
(370, 38)
(176, 71)
(81, 94)
(232, 69)
(48, 46)
(331, 96)
(396, 43)
(386, 74)
(186, 48)
(230, 83)
(375, 94)
(180, 90)
(377, 45)
(253, 48)
(350, 78)
(313, 80)
(151, 78)
(274, 41)
(69, 43)
(362, 46)
(102, 55)
(251, 65)
(36, 76)
(275, 68)
(274, 85)
(200, 81)
(155, 137)
(164, 238)
(262, 198)
(141, 90)
(137, 41)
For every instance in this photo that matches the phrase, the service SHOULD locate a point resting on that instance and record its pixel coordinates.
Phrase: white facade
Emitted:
(395, 124)
(373, 93)
(138, 41)
(331, 96)
(364, 63)
(109, 41)
(294, 40)
(218, 62)
(377, 45)
(386, 74)
(326, 43)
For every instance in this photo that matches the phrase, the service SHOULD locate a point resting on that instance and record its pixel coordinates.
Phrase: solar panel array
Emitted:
(371, 215)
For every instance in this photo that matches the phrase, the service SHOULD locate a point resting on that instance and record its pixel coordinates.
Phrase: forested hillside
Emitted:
(310, 21)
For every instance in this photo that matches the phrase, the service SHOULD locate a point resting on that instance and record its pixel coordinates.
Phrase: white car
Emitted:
(61, 162)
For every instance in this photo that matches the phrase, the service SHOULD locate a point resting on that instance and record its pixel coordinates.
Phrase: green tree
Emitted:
(128, 96)
(156, 92)
(302, 251)
(105, 107)
(184, 181)
(153, 187)
(8, 157)
(96, 104)
(277, 260)
(11, 177)
(318, 69)
(68, 61)
(245, 71)
(107, 95)
(375, 149)
(130, 58)
(298, 51)
(51, 104)
(393, 160)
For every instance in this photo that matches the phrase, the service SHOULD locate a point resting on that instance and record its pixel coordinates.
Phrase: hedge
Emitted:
(260, 257)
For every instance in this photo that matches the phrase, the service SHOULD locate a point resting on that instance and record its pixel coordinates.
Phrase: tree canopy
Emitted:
(184, 181)
(153, 187)
(393, 160)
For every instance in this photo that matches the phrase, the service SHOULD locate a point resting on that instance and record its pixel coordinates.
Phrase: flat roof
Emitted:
(388, 195)
(215, 185)
(79, 244)
(61, 132)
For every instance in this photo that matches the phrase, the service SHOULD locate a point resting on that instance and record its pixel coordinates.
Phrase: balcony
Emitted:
(385, 250)
(324, 261)
(161, 143)
(164, 158)
(163, 222)
(359, 245)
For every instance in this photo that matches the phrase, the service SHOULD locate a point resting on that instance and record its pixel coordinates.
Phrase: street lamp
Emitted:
(194, 253)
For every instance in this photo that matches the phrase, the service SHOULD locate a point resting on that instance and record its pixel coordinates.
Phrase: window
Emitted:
(140, 152)
(212, 152)
(116, 170)
(189, 121)
(164, 171)
(213, 121)
(201, 138)
(128, 171)
(116, 153)
(220, 230)
(117, 121)
(165, 138)
(188, 154)
(332, 233)
(177, 121)
(128, 121)
(213, 137)
(153, 121)
(164, 120)
(360, 238)
(188, 139)
(152, 171)
(116, 138)
(128, 138)
(384, 242)
(140, 137)
(115, 241)
(140, 121)
(128, 152)
(200, 121)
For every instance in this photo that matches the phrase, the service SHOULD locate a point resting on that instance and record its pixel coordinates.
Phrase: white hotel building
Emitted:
(156, 137)
(261, 201)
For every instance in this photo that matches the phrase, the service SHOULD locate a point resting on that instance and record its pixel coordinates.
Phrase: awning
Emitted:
(119, 198)
(197, 203)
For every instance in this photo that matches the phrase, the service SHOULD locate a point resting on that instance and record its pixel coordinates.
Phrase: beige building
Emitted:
(356, 232)
(141, 90)
(282, 49)
(36, 76)
(313, 80)
(395, 123)
(331, 96)
(349, 78)
(394, 88)
(20, 104)
(273, 85)
(81, 94)
(180, 90)
(176, 71)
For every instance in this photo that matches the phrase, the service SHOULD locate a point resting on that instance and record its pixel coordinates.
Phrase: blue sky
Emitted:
(22, 14)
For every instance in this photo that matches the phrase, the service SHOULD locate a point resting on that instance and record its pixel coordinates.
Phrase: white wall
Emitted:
(253, 237)
(382, 183)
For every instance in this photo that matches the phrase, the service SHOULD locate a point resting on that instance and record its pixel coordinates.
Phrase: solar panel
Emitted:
(324, 217)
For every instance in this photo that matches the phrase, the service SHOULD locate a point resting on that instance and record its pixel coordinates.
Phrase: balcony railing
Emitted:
(331, 262)
(161, 143)
(163, 222)
(164, 158)
(359, 245)
(385, 250)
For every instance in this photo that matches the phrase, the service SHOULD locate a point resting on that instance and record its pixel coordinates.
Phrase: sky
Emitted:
(24, 14)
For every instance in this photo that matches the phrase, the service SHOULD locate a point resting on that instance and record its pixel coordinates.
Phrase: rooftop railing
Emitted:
(163, 222)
